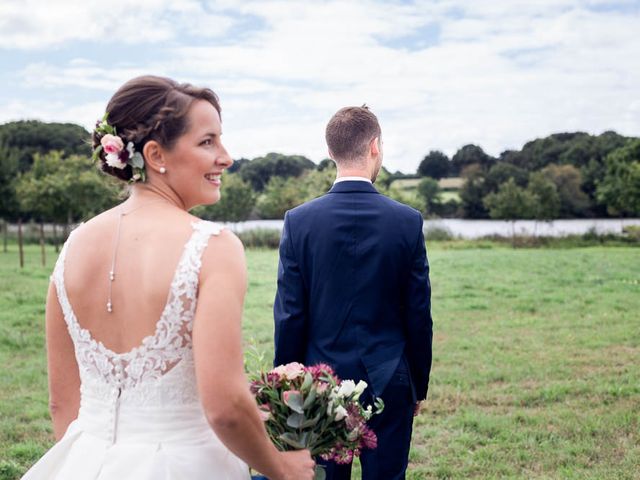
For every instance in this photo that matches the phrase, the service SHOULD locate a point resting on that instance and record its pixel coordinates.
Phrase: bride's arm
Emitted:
(64, 378)
(217, 345)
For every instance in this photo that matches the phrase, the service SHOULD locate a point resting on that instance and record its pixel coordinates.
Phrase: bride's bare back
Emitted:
(151, 242)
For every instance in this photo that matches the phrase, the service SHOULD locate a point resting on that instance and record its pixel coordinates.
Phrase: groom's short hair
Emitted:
(349, 133)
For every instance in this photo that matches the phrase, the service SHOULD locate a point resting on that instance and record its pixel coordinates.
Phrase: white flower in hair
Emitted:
(113, 160)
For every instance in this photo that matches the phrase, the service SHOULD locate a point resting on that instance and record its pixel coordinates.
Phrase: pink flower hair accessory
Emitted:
(117, 155)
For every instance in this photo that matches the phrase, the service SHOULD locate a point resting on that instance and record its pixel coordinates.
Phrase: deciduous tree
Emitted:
(259, 171)
(574, 202)
(470, 155)
(435, 165)
(430, 193)
(280, 195)
(237, 200)
(620, 187)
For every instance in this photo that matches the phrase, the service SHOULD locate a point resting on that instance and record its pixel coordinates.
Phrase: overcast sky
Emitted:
(438, 73)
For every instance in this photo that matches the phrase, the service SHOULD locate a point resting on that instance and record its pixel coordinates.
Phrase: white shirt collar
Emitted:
(352, 179)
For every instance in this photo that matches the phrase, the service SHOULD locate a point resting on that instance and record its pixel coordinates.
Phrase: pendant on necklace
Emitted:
(109, 307)
(112, 275)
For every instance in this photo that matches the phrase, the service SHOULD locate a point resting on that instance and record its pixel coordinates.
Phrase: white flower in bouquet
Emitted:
(360, 387)
(347, 387)
(341, 413)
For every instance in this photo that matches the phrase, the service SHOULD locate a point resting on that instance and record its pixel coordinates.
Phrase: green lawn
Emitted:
(535, 375)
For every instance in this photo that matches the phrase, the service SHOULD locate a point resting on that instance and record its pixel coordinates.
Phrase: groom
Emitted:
(353, 291)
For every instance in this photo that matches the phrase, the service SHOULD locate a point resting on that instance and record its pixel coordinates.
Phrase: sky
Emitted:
(439, 74)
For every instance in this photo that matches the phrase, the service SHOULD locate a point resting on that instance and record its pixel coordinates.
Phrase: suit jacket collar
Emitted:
(353, 186)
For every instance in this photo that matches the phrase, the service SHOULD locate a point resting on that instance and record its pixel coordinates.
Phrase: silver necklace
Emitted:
(112, 271)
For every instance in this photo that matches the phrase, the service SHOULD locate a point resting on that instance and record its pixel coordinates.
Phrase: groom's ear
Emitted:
(153, 155)
(374, 146)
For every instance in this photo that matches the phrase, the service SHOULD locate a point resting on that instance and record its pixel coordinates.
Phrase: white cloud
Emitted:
(499, 74)
(39, 25)
(80, 73)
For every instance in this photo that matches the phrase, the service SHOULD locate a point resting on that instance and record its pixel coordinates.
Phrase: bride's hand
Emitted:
(297, 465)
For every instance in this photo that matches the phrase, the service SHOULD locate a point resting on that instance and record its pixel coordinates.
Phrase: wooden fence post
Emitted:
(5, 235)
(43, 253)
(20, 248)
(55, 237)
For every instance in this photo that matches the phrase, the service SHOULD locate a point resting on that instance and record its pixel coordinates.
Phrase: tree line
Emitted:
(46, 175)
(564, 175)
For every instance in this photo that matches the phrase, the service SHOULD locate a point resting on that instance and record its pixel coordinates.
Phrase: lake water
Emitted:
(481, 228)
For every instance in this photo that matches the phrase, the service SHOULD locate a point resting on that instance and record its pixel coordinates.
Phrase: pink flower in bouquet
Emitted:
(265, 411)
(354, 419)
(254, 387)
(321, 388)
(344, 456)
(339, 454)
(288, 395)
(290, 371)
(111, 143)
(320, 369)
(369, 439)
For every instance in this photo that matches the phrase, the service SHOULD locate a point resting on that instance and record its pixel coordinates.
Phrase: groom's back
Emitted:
(354, 249)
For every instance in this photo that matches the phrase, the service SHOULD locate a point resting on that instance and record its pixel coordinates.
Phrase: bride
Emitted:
(143, 317)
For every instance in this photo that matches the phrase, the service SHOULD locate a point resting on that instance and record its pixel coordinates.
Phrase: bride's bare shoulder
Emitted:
(224, 242)
(223, 250)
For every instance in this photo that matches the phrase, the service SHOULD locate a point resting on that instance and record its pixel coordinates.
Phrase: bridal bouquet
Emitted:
(309, 407)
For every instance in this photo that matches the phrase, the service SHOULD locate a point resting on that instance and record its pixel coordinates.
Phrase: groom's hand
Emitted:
(416, 410)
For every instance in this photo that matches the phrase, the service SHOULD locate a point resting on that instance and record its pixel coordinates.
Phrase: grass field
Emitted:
(409, 186)
(536, 362)
(446, 195)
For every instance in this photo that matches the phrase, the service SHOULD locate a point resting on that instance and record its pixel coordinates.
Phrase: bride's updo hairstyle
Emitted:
(149, 108)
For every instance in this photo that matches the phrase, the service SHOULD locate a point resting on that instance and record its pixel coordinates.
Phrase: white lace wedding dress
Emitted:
(140, 417)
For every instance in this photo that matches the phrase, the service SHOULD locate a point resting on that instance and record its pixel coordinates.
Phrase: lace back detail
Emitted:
(158, 353)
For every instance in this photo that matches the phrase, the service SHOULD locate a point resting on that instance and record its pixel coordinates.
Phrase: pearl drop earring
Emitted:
(163, 170)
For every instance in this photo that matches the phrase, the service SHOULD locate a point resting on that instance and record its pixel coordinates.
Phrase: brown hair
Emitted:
(349, 133)
(150, 108)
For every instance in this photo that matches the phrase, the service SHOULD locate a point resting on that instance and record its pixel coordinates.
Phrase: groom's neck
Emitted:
(354, 172)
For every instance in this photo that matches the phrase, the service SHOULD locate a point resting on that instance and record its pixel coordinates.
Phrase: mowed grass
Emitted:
(536, 368)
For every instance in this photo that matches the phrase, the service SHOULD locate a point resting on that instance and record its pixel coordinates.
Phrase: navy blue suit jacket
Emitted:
(353, 287)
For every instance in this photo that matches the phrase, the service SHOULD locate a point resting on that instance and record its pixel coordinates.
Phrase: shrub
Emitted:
(437, 233)
(260, 238)
(632, 232)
